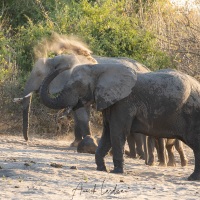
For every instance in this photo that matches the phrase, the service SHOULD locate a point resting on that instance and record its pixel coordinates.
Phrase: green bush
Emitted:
(111, 31)
(106, 27)
(7, 54)
(24, 41)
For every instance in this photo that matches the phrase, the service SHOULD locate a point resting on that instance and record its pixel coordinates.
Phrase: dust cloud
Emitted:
(61, 44)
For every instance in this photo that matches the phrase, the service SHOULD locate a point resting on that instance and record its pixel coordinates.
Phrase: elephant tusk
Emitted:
(20, 99)
(17, 100)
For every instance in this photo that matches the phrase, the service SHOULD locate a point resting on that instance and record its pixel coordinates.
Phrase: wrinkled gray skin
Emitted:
(165, 151)
(44, 66)
(164, 104)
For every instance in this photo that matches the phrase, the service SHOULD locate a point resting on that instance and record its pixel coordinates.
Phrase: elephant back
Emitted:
(122, 60)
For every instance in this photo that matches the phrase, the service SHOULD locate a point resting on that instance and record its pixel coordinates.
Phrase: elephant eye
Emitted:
(56, 66)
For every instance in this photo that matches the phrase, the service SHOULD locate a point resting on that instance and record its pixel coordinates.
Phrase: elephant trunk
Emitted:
(26, 110)
(52, 102)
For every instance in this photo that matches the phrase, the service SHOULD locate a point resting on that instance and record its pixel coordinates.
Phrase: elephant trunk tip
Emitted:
(26, 138)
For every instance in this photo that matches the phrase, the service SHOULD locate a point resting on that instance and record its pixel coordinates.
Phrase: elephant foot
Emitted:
(75, 143)
(117, 170)
(171, 164)
(184, 162)
(87, 145)
(102, 168)
(195, 176)
(142, 157)
(129, 154)
(151, 163)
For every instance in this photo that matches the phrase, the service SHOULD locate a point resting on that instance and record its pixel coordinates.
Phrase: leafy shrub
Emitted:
(111, 31)
(106, 27)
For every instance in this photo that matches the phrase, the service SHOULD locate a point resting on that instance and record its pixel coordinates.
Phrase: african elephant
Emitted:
(44, 66)
(136, 144)
(165, 103)
(165, 151)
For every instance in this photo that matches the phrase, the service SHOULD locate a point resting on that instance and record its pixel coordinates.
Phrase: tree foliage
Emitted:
(107, 26)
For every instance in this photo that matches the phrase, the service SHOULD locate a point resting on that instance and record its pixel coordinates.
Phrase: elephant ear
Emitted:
(114, 84)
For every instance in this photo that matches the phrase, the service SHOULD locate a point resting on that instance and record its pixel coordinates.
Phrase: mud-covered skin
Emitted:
(150, 118)
(163, 104)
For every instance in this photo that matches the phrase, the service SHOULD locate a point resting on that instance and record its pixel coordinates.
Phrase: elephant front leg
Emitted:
(119, 129)
(118, 142)
(81, 125)
(103, 148)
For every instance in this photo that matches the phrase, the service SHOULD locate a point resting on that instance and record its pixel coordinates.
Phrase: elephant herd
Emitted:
(137, 105)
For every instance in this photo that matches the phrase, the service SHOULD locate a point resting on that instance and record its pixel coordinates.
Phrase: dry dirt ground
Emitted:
(50, 169)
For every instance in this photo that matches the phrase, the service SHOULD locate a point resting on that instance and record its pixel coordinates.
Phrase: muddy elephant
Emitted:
(164, 148)
(136, 144)
(165, 103)
(44, 66)
(165, 151)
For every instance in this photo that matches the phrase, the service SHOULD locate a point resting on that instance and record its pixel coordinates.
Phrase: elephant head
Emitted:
(87, 145)
(103, 84)
(43, 67)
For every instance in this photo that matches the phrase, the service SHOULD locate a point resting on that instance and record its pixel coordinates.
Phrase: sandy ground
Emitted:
(50, 169)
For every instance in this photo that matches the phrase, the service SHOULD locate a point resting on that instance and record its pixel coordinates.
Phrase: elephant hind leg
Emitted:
(196, 174)
(179, 148)
(132, 146)
(135, 143)
(150, 157)
(170, 150)
(194, 143)
(139, 138)
(161, 150)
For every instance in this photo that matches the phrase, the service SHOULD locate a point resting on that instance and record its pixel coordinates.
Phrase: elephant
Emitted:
(136, 144)
(165, 151)
(44, 66)
(164, 103)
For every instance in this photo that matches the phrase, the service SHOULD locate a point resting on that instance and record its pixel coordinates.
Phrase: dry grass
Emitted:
(178, 34)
